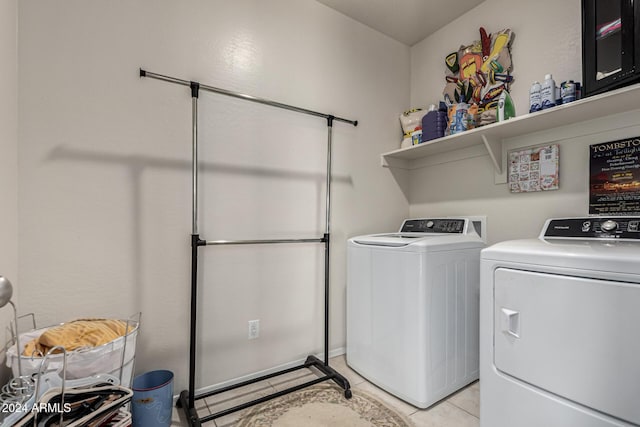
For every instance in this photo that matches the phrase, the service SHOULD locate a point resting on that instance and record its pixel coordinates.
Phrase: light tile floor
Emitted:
(462, 409)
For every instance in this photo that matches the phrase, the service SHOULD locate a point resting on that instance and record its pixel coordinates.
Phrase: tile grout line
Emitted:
(462, 409)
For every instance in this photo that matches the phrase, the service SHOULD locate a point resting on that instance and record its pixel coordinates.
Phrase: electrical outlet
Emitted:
(254, 329)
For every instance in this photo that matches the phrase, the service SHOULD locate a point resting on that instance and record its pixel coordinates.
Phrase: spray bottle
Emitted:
(506, 109)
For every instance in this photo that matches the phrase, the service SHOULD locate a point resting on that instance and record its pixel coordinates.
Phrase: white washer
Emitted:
(560, 326)
(412, 308)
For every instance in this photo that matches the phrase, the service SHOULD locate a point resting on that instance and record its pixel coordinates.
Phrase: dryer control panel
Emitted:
(439, 225)
(621, 227)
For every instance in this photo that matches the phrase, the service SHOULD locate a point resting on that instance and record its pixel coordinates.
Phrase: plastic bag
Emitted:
(411, 119)
(105, 359)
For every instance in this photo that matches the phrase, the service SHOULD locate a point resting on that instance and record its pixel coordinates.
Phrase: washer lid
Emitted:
(420, 242)
(393, 239)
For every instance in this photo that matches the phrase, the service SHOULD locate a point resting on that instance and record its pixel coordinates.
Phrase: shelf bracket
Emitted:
(494, 147)
(393, 163)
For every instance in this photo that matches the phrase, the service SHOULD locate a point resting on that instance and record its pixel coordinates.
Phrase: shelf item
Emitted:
(188, 397)
(493, 135)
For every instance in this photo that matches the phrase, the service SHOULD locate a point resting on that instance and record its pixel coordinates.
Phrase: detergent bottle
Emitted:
(535, 98)
(434, 123)
(459, 119)
(548, 92)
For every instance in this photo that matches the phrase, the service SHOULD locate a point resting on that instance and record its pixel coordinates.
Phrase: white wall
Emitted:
(548, 39)
(8, 154)
(104, 178)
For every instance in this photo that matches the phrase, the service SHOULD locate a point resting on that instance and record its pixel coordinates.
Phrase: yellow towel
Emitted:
(77, 334)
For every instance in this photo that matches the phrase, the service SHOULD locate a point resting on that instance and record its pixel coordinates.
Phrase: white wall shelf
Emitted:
(491, 136)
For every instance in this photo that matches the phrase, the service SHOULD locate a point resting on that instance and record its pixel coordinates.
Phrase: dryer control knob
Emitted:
(609, 225)
(429, 224)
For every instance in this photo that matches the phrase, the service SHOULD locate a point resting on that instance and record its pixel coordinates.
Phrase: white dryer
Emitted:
(412, 308)
(560, 326)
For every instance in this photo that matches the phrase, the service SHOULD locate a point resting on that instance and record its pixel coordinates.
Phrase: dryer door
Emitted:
(574, 337)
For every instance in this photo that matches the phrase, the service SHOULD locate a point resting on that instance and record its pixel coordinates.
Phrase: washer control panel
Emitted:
(437, 225)
(594, 227)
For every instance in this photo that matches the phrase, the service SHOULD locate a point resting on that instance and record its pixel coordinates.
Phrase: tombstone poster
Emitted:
(614, 177)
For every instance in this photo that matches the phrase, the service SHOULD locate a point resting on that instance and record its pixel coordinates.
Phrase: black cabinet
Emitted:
(610, 44)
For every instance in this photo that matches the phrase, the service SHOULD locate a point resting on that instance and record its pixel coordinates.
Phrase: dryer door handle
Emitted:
(511, 322)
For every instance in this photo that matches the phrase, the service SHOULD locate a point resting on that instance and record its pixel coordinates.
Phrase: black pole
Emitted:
(194, 306)
(326, 299)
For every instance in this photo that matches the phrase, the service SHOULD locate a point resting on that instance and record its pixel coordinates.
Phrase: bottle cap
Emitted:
(548, 77)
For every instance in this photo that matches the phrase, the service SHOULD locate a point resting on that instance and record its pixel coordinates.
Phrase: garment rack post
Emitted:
(188, 397)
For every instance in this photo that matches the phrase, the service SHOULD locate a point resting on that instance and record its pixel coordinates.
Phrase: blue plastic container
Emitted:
(434, 124)
(152, 402)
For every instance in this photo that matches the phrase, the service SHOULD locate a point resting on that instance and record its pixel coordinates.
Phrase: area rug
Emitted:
(324, 405)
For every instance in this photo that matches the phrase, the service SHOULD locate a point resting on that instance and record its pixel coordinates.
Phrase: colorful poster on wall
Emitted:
(614, 177)
(534, 169)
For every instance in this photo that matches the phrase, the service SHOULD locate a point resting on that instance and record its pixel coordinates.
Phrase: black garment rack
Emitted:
(188, 397)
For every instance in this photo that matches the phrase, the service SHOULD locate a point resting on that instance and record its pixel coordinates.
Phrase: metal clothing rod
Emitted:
(194, 159)
(261, 242)
(144, 73)
(328, 188)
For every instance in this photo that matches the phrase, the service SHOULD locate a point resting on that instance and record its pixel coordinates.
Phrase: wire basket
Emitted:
(116, 357)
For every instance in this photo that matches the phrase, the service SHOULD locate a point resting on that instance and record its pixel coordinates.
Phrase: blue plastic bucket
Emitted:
(152, 402)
